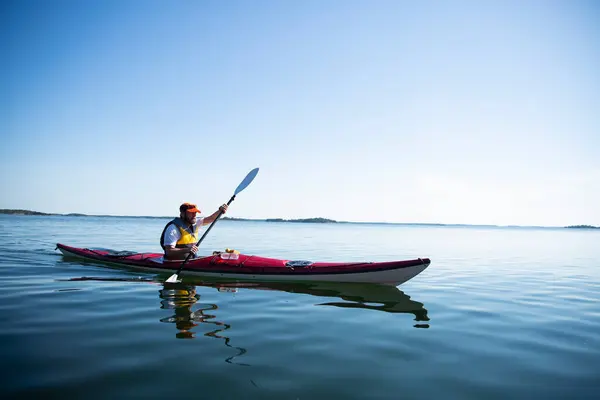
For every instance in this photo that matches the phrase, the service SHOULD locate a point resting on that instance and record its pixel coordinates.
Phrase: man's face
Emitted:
(190, 217)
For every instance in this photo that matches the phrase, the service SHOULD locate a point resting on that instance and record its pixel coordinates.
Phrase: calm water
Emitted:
(500, 313)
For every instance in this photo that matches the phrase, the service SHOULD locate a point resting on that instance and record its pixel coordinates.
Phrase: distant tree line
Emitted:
(319, 220)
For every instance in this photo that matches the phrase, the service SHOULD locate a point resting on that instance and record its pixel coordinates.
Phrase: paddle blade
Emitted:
(247, 180)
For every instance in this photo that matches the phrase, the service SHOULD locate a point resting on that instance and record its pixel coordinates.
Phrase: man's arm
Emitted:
(213, 216)
(175, 253)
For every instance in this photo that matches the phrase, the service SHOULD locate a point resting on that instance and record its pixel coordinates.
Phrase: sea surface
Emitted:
(501, 313)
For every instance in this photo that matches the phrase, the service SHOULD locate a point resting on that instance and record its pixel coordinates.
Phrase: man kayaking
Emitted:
(180, 235)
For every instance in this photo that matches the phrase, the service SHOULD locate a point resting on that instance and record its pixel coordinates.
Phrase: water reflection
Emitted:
(188, 312)
(180, 298)
(355, 295)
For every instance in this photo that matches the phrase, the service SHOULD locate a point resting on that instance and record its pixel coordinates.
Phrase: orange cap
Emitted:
(188, 207)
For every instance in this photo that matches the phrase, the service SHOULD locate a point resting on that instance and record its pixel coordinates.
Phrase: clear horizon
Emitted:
(438, 112)
(295, 219)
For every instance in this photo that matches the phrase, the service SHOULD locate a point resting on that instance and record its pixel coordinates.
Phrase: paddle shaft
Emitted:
(203, 236)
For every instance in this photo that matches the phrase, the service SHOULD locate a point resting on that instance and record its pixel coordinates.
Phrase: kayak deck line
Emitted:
(254, 267)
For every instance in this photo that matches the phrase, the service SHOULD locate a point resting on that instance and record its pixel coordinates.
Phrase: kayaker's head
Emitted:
(187, 212)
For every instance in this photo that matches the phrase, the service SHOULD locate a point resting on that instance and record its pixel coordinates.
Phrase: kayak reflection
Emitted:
(354, 295)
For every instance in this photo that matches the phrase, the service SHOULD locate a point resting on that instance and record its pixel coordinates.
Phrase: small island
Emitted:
(235, 219)
(582, 227)
(317, 220)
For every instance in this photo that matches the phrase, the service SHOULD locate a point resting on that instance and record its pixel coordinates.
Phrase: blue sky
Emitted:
(389, 111)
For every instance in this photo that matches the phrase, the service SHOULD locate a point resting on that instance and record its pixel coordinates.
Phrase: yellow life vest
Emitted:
(189, 234)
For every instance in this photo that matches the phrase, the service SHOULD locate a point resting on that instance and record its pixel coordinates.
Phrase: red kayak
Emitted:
(232, 265)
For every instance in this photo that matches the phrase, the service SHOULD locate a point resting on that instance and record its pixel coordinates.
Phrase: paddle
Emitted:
(243, 185)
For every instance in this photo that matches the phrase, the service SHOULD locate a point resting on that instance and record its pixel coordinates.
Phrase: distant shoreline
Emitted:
(299, 220)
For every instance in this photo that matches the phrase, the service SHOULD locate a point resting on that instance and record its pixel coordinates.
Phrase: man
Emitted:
(179, 237)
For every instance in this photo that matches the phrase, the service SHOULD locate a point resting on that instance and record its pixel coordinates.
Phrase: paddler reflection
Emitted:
(181, 298)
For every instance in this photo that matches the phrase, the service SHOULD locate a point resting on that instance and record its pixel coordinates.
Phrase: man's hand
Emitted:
(223, 208)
